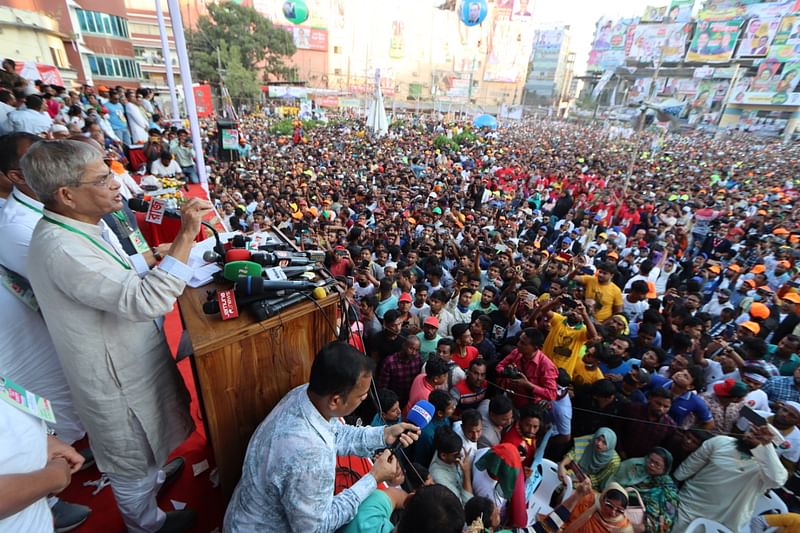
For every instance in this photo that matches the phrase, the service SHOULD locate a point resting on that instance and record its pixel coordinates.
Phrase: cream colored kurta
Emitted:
(125, 385)
(723, 484)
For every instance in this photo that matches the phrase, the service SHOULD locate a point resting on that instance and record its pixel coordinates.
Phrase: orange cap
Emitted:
(792, 297)
(758, 269)
(750, 326)
(735, 268)
(758, 310)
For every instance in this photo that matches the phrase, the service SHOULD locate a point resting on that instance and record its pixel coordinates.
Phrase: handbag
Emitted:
(635, 513)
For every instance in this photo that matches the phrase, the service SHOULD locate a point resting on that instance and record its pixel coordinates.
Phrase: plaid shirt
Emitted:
(782, 389)
(397, 374)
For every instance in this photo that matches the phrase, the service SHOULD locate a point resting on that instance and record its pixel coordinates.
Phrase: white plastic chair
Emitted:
(704, 525)
(540, 502)
(769, 503)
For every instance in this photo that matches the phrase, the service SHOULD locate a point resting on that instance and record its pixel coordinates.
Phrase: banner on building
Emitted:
(774, 84)
(665, 40)
(451, 84)
(502, 66)
(714, 41)
(548, 39)
(788, 31)
(654, 14)
(308, 38)
(286, 91)
(757, 35)
(202, 98)
(679, 11)
(784, 52)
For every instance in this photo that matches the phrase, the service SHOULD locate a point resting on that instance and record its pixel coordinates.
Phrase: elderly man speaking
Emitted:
(105, 321)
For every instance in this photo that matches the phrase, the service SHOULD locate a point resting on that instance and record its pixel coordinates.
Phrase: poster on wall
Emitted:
(784, 52)
(714, 41)
(774, 84)
(500, 65)
(756, 37)
(679, 11)
(522, 10)
(230, 139)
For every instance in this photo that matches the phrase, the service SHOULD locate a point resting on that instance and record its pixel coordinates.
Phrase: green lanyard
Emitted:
(91, 239)
(26, 204)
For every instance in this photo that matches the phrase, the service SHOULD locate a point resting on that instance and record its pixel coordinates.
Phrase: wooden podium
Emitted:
(243, 368)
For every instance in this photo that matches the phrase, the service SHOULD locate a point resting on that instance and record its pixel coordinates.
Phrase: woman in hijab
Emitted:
(604, 513)
(650, 476)
(595, 455)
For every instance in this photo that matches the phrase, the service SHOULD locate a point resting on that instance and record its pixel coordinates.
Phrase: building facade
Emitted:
(733, 65)
(96, 38)
(550, 72)
(34, 41)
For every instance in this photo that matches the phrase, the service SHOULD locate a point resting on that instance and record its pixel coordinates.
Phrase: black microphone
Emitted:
(211, 307)
(251, 285)
(142, 206)
(264, 309)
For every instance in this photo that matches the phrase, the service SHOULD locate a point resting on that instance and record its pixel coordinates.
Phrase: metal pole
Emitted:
(188, 93)
(731, 85)
(173, 95)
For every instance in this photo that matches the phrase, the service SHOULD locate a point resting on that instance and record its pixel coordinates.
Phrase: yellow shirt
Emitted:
(564, 343)
(584, 376)
(607, 296)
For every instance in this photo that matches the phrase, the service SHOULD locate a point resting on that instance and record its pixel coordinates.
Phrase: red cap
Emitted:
(406, 297)
(431, 321)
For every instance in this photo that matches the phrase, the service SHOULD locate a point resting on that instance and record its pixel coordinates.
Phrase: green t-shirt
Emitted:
(372, 515)
(427, 348)
(785, 366)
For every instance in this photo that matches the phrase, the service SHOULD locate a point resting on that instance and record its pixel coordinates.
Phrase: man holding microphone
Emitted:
(105, 319)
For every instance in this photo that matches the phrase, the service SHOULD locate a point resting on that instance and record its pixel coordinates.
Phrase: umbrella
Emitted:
(485, 121)
(377, 122)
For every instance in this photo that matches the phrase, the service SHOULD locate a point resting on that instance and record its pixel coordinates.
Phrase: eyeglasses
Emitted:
(102, 182)
(611, 506)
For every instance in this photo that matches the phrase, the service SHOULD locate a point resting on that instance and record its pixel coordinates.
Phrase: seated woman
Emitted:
(650, 476)
(604, 513)
(595, 455)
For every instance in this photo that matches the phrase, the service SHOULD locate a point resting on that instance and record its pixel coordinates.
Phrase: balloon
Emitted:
(295, 11)
(473, 12)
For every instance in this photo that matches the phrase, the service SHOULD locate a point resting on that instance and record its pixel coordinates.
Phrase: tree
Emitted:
(242, 83)
(260, 44)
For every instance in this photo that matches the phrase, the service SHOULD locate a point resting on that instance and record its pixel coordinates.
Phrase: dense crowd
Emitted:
(624, 305)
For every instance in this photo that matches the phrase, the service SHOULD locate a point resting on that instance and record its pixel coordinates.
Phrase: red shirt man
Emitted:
(537, 380)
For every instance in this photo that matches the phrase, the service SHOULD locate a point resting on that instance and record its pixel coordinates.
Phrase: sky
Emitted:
(581, 16)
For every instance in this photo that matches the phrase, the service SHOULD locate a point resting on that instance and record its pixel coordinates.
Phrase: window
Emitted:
(59, 59)
(102, 23)
(114, 67)
(337, 49)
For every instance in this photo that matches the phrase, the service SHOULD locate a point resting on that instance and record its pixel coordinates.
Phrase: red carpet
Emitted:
(196, 492)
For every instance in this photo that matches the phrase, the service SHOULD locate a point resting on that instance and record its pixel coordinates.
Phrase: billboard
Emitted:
(451, 84)
(784, 52)
(308, 38)
(521, 10)
(653, 40)
(654, 14)
(714, 41)
(679, 11)
(774, 84)
(548, 39)
(756, 37)
(610, 34)
(502, 66)
(788, 31)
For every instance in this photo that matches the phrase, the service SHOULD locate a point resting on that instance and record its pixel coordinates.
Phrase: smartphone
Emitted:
(350, 281)
(752, 417)
(579, 474)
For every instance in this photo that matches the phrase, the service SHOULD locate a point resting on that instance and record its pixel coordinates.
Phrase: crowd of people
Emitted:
(640, 331)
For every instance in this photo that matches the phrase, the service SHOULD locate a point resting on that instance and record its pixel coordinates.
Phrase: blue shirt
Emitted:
(289, 471)
(116, 116)
(688, 403)
(622, 369)
(386, 305)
